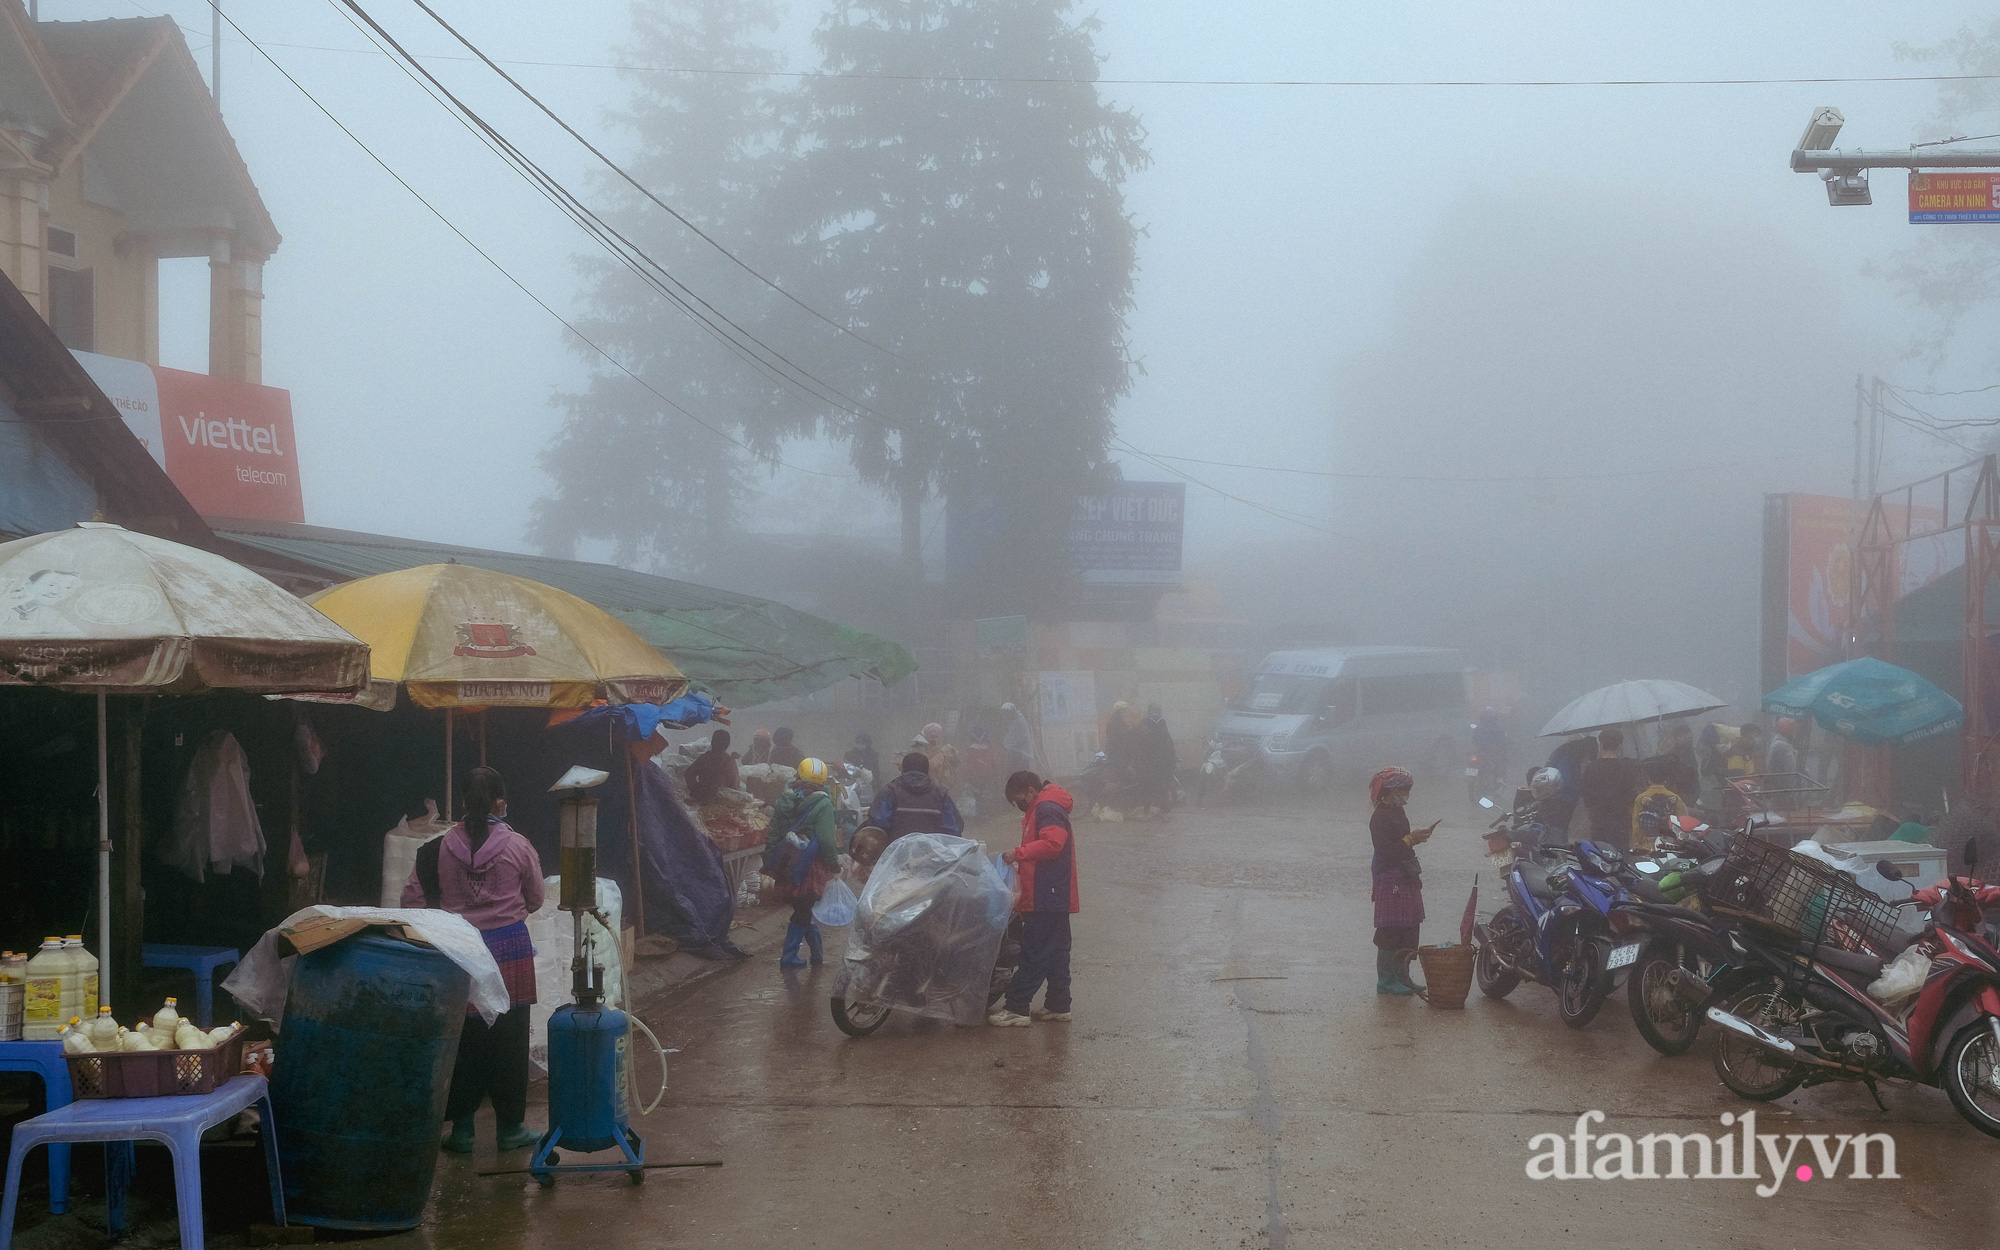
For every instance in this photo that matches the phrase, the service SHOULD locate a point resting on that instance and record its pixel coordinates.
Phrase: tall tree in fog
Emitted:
(662, 485)
(1955, 272)
(956, 195)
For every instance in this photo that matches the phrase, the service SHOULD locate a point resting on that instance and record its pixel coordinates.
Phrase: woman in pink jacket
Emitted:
(486, 872)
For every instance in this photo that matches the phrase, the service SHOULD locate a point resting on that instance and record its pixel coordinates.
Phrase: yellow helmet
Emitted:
(812, 772)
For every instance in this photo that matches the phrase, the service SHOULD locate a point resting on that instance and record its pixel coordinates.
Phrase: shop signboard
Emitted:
(227, 445)
(1129, 534)
(1955, 197)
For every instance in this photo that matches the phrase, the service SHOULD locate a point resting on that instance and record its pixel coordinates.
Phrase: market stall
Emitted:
(104, 611)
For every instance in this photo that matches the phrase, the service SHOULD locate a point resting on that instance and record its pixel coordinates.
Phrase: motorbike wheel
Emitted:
(1668, 1025)
(1745, 1067)
(858, 1019)
(1496, 980)
(1580, 979)
(1971, 1075)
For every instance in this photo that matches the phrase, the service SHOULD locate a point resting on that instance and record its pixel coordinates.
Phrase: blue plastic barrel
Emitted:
(363, 1065)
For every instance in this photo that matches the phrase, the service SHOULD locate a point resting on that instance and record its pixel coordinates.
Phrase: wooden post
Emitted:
(448, 775)
(637, 905)
(127, 847)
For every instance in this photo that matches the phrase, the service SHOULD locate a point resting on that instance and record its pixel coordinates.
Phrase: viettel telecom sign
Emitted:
(1942, 199)
(227, 445)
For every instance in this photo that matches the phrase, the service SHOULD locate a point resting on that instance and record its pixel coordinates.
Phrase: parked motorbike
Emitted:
(1806, 1021)
(1554, 928)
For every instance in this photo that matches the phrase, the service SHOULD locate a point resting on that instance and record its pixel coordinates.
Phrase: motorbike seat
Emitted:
(1536, 878)
(1645, 889)
(1869, 966)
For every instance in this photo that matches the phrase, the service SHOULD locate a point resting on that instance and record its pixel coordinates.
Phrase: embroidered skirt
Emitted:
(512, 949)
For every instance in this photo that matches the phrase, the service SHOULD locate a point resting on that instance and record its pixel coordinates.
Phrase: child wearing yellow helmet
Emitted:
(802, 854)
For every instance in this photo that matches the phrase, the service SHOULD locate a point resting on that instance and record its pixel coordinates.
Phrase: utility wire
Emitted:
(785, 371)
(1210, 82)
(504, 272)
(1915, 390)
(1938, 143)
(635, 184)
(1413, 477)
(1280, 513)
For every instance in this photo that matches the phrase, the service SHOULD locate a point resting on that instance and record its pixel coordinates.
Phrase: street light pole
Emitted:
(1805, 161)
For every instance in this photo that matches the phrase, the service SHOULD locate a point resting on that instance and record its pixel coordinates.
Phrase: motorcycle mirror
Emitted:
(1485, 802)
(1972, 852)
(1647, 865)
(1889, 870)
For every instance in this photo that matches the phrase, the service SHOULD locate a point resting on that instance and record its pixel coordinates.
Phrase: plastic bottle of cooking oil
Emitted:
(86, 976)
(167, 1016)
(47, 975)
(103, 1031)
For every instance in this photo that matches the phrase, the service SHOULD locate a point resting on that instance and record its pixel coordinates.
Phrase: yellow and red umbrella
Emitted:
(455, 635)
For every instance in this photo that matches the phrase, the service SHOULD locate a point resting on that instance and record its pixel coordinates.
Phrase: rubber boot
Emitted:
(1386, 980)
(794, 934)
(459, 1140)
(515, 1136)
(814, 942)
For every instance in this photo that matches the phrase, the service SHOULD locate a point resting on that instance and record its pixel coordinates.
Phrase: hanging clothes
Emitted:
(215, 824)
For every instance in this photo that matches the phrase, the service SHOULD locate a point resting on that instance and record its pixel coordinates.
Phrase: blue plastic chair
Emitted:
(200, 960)
(45, 1059)
(178, 1122)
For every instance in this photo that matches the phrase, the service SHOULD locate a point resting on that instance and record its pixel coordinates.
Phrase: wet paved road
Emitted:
(1231, 1079)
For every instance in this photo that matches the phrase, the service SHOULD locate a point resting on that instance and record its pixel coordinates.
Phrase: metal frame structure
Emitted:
(1965, 498)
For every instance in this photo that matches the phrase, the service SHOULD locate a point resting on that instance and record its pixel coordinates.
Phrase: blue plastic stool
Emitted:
(177, 1121)
(45, 1059)
(200, 960)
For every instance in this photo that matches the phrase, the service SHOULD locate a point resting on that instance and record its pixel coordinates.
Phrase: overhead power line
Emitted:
(635, 184)
(1418, 477)
(738, 338)
(503, 270)
(1024, 79)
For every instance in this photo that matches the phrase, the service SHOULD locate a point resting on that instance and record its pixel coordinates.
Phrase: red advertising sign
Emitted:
(1819, 580)
(227, 445)
(1942, 199)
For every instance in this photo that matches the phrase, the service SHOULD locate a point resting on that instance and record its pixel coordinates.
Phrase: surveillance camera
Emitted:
(1847, 190)
(1822, 130)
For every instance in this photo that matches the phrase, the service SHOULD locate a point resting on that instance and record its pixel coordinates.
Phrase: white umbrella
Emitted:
(1629, 703)
(100, 610)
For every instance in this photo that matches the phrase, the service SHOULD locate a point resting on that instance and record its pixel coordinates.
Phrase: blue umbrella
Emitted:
(1871, 702)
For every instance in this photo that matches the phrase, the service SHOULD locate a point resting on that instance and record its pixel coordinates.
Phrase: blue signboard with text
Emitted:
(1129, 534)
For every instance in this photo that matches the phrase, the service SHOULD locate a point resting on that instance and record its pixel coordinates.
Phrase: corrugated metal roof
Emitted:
(745, 649)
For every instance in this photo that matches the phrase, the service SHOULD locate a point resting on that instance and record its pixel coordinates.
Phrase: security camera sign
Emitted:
(1941, 199)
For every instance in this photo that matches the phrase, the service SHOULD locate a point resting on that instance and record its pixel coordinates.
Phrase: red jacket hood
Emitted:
(1053, 793)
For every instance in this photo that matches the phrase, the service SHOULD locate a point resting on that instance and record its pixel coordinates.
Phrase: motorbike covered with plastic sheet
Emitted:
(927, 930)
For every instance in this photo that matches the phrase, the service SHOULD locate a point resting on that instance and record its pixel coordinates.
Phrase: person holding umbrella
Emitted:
(1398, 889)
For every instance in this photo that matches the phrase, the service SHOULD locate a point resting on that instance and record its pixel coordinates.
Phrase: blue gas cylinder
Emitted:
(364, 1061)
(589, 1060)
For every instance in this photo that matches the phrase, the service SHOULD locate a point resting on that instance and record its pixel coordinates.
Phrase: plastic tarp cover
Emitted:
(927, 930)
(554, 935)
(688, 895)
(262, 982)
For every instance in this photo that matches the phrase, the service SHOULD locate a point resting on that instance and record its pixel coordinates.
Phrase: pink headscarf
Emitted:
(1390, 778)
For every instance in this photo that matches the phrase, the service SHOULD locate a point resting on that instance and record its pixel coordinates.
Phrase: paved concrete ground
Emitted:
(1185, 1107)
(1188, 1107)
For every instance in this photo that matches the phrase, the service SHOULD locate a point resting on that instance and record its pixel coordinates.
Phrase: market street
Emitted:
(1230, 1079)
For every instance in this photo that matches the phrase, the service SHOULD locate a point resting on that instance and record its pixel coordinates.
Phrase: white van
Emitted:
(1308, 714)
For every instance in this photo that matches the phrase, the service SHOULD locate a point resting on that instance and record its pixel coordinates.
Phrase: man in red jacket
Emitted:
(1046, 861)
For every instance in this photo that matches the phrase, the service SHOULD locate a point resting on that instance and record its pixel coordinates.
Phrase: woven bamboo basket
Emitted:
(1447, 975)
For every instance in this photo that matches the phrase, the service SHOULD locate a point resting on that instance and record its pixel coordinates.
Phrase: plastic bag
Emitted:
(1008, 876)
(835, 908)
(927, 930)
(263, 981)
(1901, 977)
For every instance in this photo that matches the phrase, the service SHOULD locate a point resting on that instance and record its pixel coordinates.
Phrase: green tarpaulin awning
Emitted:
(744, 649)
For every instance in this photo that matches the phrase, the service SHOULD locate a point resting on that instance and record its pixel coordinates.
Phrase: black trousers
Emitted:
(1044, 957)
(802, 910)
(492, 1060)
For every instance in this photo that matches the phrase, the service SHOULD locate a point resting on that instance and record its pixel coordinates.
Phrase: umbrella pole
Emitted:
(103, 857)
(447, 764)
